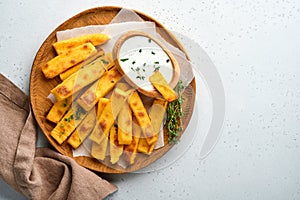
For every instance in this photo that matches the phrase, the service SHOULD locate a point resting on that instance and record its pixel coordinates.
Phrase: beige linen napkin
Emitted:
(38, 173)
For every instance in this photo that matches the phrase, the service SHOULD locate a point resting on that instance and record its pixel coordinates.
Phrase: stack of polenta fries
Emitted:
(93, 101)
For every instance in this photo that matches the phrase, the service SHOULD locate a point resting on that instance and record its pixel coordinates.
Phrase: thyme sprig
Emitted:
(174, 115)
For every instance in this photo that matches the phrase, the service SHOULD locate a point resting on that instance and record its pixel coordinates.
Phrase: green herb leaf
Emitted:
(105, 61)
(65, 103)
(140, 77)
(78, 113)
(124, 59)
(156, 68)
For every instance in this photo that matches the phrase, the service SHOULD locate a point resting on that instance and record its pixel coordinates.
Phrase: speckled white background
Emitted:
(255, 46)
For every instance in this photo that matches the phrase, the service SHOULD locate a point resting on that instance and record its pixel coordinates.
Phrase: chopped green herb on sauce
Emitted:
(140, 77)
(124, 59)
(156, 68)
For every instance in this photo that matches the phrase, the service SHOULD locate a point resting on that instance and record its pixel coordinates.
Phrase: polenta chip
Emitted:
(109, 114)
(83, 130)
(157, 114)
(98, 151)
(64, 46)
(64, 75)
(130, 150)
(58, 110)
(97, 134)
(125, 125)
(115, 149)
(139, 111)
(99, 89)
(79, 80)
(144, 147)
(101, 104)
(62, 62)
(159, 83)
(68, 123)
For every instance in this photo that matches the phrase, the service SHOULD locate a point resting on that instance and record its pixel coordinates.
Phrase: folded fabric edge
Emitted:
(12, 92)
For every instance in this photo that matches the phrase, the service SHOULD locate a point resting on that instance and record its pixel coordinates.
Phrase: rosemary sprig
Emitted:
(174, 115)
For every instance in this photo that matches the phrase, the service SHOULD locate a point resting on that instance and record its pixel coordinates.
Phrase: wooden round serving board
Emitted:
(40, 88)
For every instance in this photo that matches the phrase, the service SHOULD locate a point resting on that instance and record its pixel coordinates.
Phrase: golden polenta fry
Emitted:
(125, 125)
(139, 111)
(109, 114)
(144, 147)
(98, 151)
(68, 123)
(83, 130)
(156, 114)
(99, 89)
(116, 149)
(79, 80)
(64, 46)
(100, 107)
(64, 75)
(159, 83)
(130, 150)
(62, 62)
(58, 110)
(97, 133)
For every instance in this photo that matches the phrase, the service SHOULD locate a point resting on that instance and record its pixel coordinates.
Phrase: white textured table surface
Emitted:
(255, 46)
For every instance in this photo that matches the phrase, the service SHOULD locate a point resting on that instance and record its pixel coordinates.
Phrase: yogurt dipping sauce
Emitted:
(140, 57)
